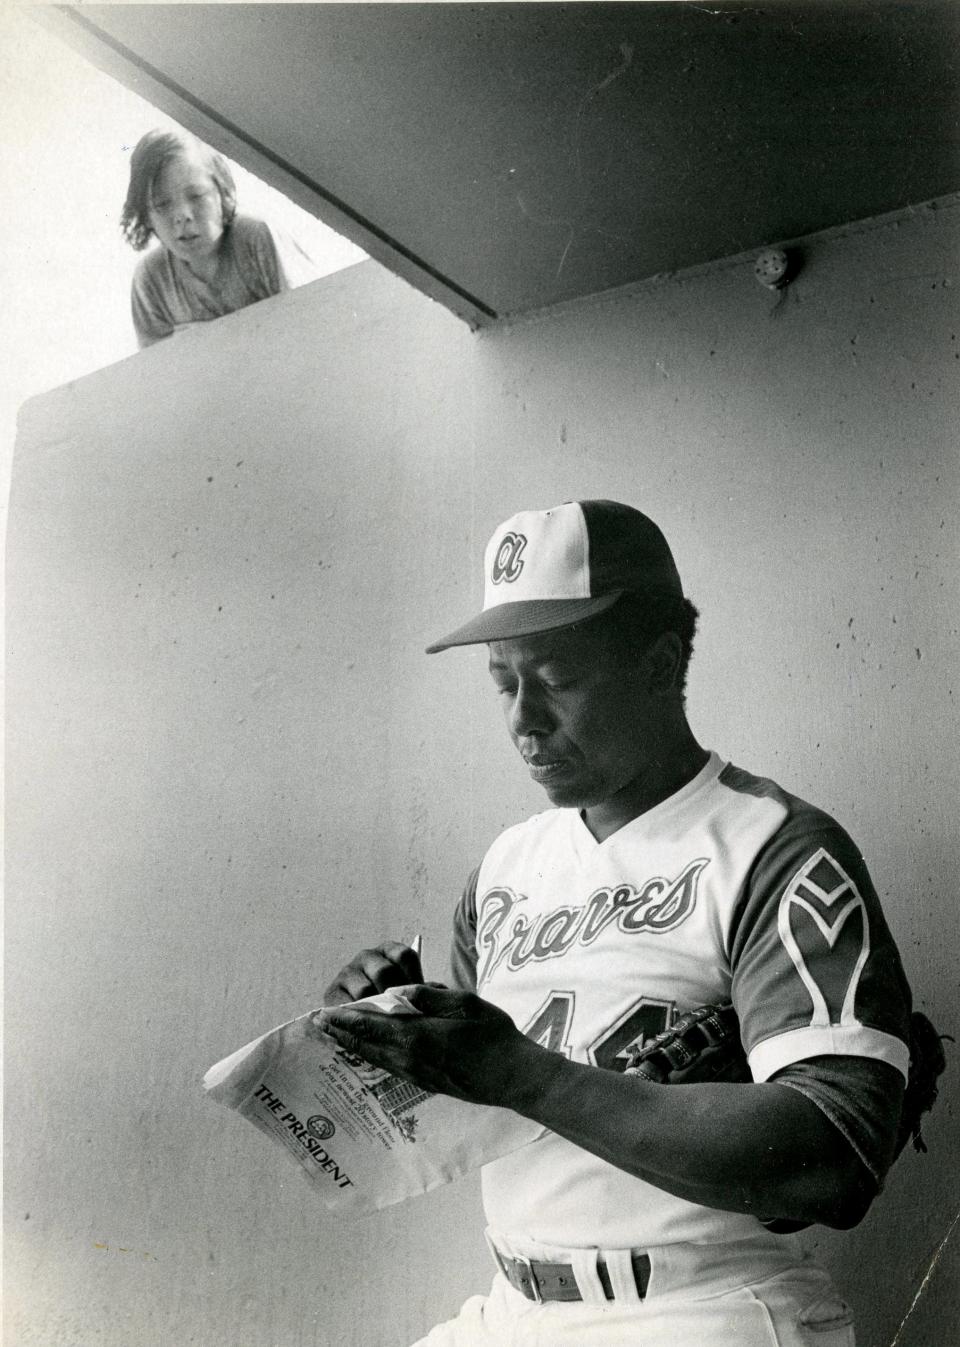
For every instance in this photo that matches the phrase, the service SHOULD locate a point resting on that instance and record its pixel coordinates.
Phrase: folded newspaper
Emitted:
(365, 1138)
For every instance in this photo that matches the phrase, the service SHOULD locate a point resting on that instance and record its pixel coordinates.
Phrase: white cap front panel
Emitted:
(538, 554)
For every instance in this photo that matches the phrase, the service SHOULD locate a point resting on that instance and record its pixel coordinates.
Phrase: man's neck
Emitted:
(657, 783)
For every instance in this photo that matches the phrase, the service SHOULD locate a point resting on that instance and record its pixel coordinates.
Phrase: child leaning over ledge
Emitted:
(210, 261)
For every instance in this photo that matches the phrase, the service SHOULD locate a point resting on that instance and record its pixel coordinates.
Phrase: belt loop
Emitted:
(623, 1283)
(584, 1263)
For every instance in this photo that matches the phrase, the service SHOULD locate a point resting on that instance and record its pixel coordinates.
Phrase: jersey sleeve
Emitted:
(863, 1099)
(270, 259)
(463, 952)
(152, 320)
(815, 971)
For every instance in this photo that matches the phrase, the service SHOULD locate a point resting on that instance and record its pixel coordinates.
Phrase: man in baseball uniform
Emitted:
(663, 878)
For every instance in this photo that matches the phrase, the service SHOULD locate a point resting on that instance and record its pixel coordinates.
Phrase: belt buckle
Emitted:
(537, 1295)
(503, 1260)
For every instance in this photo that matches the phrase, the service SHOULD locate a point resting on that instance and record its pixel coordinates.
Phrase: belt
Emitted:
(556, 1281)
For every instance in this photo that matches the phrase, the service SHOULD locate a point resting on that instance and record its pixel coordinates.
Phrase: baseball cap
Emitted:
(545, 569)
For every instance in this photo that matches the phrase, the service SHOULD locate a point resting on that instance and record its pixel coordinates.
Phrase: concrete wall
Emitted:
(229, 763)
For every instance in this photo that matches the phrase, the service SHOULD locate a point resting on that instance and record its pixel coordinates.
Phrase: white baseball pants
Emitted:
(698, 1296)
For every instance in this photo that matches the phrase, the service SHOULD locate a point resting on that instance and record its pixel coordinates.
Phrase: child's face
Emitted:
(186, 212)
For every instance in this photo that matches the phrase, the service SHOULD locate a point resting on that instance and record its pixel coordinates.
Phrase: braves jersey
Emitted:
(730, 889)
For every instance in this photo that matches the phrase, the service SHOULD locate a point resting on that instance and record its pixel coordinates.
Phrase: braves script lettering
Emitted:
(506, 934)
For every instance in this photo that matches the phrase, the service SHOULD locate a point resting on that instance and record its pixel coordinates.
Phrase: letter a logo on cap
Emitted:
(507, 564)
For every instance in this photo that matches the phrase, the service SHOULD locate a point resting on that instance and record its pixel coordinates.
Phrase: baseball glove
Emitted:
(928, 1061)
(704, 1045)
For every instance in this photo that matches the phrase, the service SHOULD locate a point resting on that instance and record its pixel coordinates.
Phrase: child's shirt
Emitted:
(255, 262)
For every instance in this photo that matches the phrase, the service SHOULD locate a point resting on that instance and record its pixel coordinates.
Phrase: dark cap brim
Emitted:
(527, 618)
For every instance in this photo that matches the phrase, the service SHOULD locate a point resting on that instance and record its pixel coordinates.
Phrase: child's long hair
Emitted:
(151, 153)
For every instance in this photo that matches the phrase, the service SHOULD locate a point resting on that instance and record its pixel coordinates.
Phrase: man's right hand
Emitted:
(374, 970)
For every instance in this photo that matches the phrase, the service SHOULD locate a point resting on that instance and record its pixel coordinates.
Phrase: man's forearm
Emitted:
(762, 1149)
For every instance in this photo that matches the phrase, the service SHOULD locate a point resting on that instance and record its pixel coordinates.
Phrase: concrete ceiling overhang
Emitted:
(505, 157)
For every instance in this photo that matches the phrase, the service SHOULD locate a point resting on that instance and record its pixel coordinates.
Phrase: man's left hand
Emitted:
(458, 1044)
